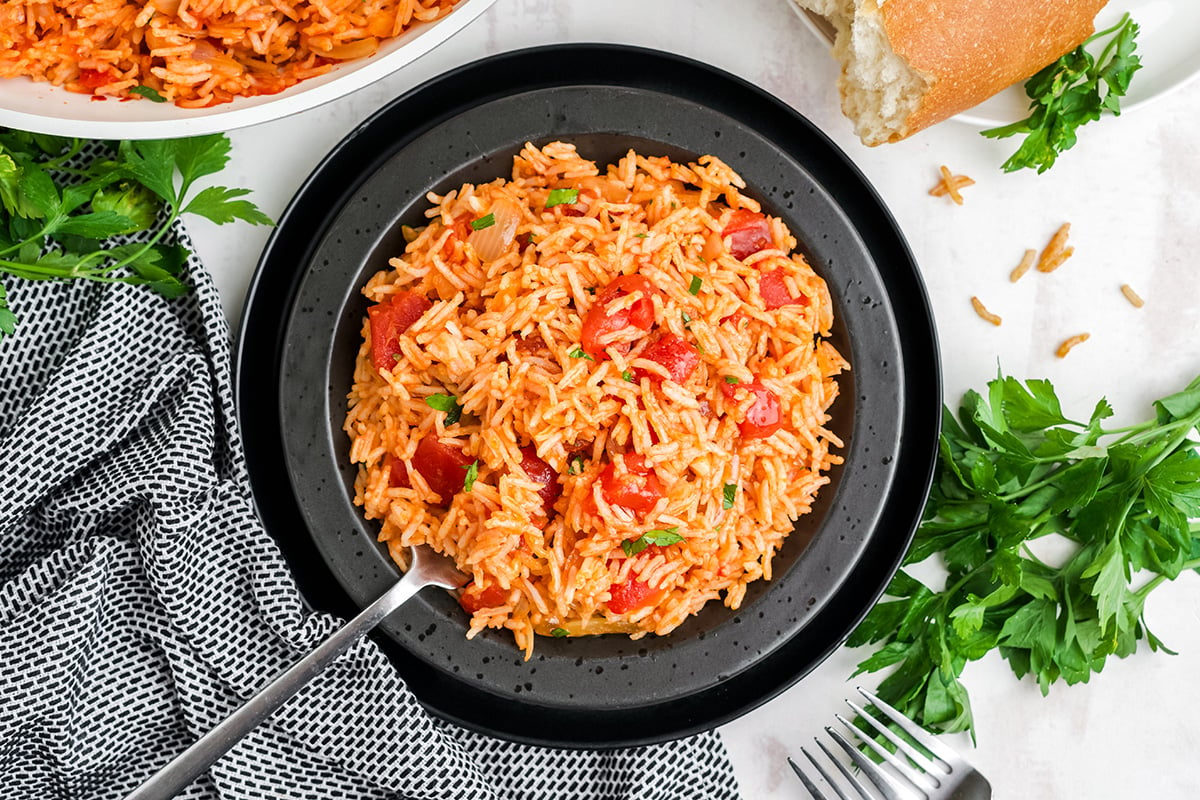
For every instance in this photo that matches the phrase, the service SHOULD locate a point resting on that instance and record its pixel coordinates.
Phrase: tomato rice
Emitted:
(603, 393)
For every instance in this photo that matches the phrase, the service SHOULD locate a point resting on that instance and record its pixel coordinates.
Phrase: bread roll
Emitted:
(907, 64)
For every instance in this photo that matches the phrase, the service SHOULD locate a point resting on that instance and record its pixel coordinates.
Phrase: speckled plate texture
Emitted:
(302, 328)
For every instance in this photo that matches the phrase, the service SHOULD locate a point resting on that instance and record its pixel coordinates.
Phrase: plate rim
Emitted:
(737, 699)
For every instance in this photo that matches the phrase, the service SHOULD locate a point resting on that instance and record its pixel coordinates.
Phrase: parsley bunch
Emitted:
(1012, 470)
(59, 222)
(1072, 91)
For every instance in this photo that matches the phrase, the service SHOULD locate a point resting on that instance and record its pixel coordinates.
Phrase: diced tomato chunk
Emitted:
(541, 472)
(443, 466)
(397, 474)
(765, 415)
(391, 318)
(94, 78)
(736, 319)
(598, 325)
(631, 595)
(679, 358)
(775, 292)
(747, 232)
(637, 489)
(474, 597)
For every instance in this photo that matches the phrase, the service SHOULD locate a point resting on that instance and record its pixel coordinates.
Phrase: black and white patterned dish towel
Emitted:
(141, 600)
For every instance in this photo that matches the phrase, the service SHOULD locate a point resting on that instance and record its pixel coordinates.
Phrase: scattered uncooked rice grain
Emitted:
(1056, 251)
(634, 361)
(1134, 299)
(982, 311)
(1070, 343)
(1027, 261)
(950, 184)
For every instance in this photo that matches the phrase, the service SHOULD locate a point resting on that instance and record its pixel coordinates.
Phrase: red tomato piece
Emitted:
(637, 489)
(475, 597)
(775, 292)
(391, 318)
(94, 78)
(736, 319)
(765, 415)
(397, 474)
(598, 325)
(679, 358)
(631, 595)
(747, 232)
(443, 466)
(541, 472)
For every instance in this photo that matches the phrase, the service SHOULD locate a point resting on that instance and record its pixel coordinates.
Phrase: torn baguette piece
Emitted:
(907, 64)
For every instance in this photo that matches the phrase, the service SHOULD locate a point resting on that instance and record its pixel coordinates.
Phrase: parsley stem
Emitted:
(58, 161)
(1159, 578)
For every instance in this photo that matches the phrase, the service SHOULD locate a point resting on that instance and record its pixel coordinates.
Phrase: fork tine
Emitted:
(889, 787)
(926, 783)
(923, 761)
(816, 793)
(858, 787)
(919, 734)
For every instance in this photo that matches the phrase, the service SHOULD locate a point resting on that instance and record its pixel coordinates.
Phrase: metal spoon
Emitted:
(426, 568)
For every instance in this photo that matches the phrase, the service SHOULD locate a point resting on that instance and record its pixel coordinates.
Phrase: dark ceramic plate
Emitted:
(301, 332)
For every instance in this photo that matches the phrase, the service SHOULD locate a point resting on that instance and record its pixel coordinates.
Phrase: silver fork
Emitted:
(945, 776)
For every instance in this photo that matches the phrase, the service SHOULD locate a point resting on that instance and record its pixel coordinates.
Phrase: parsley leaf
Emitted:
(486, 221)
(559, 633)
(694, 286)
(1076, 89)
(729, 493)
(57, 221)
(560, 197)
(148, 93)
(447, 403)
(658, 536)
(578, 352)
(472, 475)
(1012, 469)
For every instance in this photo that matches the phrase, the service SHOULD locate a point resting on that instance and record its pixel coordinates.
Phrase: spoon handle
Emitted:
(184, 768)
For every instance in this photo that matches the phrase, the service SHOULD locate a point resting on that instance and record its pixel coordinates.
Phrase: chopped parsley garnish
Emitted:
(694, 286)
(148, 93)
(657, 536)
(483, 222)
(730, 492)
(640, 235)
(687, 319)
(472, 475)
(447, 403)
(575, 466)
(559, 633)
(559, 197)
(627, 375)
(730, 379)
(578, 353)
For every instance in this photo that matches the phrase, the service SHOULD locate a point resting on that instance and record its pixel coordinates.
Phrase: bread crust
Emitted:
(968, 50)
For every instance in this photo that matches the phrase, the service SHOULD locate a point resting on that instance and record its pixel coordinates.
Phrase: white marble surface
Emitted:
(1130, 188)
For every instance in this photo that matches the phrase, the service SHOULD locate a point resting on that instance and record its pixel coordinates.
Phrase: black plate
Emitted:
(301, 330)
